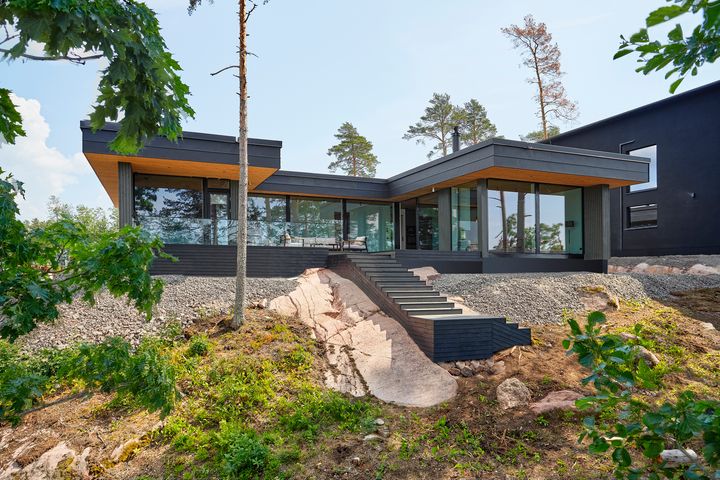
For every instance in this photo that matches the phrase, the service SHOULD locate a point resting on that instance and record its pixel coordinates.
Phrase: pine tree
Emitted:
(542, 56)
(539, 135)
(475, 125)
(437, 124)
(353, 154)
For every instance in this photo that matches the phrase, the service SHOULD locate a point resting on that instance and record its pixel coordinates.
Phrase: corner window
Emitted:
(642, 216)
(651, 153)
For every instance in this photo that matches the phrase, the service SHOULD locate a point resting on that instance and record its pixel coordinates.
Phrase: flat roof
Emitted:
(215, 156)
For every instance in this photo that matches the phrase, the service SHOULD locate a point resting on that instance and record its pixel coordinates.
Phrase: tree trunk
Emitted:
(239, 316)
(541, 96)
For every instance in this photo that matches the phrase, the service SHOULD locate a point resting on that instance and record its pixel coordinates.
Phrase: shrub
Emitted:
(198, 346)
(244, 455)
(622, 422)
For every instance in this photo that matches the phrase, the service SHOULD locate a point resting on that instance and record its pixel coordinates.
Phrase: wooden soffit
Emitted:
(106, 169)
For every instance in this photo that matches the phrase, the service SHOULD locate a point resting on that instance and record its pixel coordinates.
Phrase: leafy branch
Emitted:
(683, 54)
(140, 86)
(634, 429)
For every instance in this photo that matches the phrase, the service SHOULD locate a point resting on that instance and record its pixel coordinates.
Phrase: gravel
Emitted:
(537, 298)
(184, 300)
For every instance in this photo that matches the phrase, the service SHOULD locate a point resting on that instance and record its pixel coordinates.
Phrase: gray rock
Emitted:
(372, 437)
(650, 358)
(466, 372)
(379, 421)
(512, 393)
(497, 368)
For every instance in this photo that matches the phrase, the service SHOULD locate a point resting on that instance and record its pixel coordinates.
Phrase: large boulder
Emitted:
(560, 400)
(512, 393)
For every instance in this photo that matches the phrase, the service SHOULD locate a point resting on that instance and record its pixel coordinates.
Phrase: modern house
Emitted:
(499, 206)
(677, 211)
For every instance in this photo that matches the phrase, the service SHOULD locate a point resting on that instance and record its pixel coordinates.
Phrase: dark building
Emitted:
(678, 210)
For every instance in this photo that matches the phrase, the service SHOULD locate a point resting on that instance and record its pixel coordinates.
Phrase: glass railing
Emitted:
(294, 234)
(206, 231)
(191, 231)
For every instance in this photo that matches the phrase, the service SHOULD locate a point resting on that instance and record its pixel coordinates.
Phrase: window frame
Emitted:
(629, 190)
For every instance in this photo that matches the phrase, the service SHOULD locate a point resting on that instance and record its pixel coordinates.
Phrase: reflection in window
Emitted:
(651, 153)
(511, 216)
(266, 219)
(157, 195)
(560, 219)
(464, 218)
(642, 216)
(315, 220)
(428, 233)
(374, 222)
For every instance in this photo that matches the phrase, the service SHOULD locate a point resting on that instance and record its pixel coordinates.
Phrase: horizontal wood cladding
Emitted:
(323, 185)
(473, 262)
(220, 261)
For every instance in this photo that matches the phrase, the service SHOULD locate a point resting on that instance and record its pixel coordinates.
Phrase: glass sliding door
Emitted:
(374, 222)
(511, 216)
(428, 233)
(464, 218)
(560, 225)
(266, 220)
(315, 222)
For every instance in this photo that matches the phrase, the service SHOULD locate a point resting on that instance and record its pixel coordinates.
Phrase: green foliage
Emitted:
(475, 126)
(436, 124)
(244, 455)
(96, 221)
(140, 85)
(680, 53)
(353, 153)
(199, 346)
(41, 268)
(144, 377)
(10, 120)
(633, 429)
(539, 136)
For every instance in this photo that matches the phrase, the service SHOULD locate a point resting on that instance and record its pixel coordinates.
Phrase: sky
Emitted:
(324, 62)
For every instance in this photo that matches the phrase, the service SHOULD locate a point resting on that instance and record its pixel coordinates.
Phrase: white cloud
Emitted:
(44, 170)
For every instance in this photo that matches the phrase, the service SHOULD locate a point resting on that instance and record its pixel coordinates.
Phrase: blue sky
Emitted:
(321, 63)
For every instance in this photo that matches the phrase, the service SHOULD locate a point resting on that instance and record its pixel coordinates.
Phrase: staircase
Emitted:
(438, 326)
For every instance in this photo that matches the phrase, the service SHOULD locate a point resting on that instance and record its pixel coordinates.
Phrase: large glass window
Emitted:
(642, 216)
(266, 219)
(428, 232)
(464, 218)
(511, 216)
(560, 219)
(171, 208)
(651, 153)
(374, 222)
(315, 221)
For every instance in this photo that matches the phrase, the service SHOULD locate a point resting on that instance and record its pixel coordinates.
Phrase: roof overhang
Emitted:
(530, 162)
(195, 155)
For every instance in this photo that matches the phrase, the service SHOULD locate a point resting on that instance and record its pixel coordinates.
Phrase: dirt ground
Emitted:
(466, 437)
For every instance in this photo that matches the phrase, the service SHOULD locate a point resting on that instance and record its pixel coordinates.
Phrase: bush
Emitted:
(637, 431)
(144, 376)
(244, 455)
(199, 346)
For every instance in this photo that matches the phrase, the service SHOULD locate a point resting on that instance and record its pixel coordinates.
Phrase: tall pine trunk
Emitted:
(239, 316)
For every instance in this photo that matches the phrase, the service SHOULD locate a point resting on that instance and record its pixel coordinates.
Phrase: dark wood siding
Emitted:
(220, 261)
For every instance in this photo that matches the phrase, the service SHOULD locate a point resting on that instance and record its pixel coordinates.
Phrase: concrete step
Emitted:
(426, 305)
(397, 293)
(392, 275)
(404, 299)
(416, 288)
(433, 311)
(383, 268)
